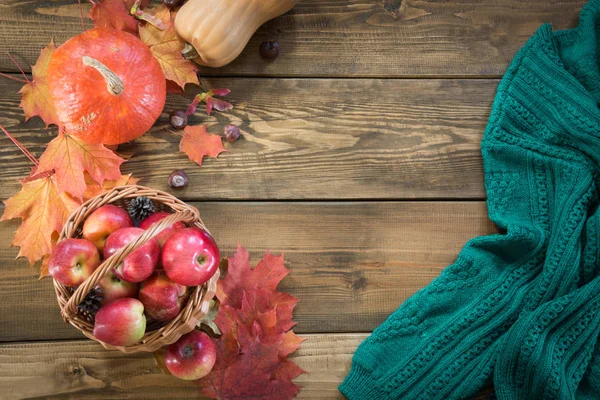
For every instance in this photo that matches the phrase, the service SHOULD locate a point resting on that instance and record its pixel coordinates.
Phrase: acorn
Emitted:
(178, 179)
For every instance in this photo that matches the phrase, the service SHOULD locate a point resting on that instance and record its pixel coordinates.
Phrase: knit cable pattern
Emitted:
(519, 309)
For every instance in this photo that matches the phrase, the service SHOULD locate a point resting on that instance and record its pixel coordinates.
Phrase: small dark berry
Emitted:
(172, 4)
(269, 50)
(178, 179)
(178, 119)
(231, 132)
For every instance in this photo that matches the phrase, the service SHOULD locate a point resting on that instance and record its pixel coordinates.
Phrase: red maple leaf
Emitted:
(113, 14)
(254, 319)
(197, 143)
(243, 278)
(244, 368)
(173, 87)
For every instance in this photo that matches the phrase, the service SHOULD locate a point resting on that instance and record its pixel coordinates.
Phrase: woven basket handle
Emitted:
(70, 309)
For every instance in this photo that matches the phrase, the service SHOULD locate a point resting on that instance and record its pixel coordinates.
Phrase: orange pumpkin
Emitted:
(106, 86)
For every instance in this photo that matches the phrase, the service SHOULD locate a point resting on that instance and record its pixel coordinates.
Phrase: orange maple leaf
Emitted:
(197, 143)
(44, 209)
(166, 47)
(36, 99)
(93, 188)
(46, 259)
(70, 156)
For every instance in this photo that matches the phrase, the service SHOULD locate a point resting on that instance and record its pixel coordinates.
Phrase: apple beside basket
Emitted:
(199, 300)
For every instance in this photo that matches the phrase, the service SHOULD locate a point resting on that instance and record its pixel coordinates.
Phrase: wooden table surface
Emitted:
(360, 160)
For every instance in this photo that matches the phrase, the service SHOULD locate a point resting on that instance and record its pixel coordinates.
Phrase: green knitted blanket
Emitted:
(520, 309)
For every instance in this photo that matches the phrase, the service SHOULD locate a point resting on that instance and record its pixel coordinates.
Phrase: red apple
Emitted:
(73, 261)
(162, 298)
(192, 357)
(190, 257)
(139, 264)
(115, 288)
(104, 221)
(121, 323)
(166, 233)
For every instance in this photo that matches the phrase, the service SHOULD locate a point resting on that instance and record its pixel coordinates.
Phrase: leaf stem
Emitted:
(12, 78)
(18, 66)
(81, 15)
(30, 156)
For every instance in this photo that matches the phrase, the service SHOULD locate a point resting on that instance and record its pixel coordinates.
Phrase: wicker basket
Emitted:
(199, 301)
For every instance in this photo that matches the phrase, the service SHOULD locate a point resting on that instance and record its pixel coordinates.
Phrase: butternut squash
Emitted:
(219, 30)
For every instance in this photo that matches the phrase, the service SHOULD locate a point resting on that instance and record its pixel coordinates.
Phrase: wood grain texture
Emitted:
(375, 38)
(83, 370)
(306, 139)
(352, 263)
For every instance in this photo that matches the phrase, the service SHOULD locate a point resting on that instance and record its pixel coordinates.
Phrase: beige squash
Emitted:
(219, 30)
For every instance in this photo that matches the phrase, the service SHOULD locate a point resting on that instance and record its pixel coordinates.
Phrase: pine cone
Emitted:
(91, 304)
(140, 208)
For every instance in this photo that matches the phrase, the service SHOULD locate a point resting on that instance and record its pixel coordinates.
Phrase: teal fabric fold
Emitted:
(518, 309)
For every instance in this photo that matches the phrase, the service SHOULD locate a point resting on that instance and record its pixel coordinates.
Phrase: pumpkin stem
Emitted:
(189, 52)
(114, 84)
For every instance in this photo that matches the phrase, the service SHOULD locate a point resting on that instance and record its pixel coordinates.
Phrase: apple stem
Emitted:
(114, 84)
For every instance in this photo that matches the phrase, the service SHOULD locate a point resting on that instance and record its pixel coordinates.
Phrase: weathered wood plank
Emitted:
(83, 370)
(307, 139)
(352, 263)
(388, 38)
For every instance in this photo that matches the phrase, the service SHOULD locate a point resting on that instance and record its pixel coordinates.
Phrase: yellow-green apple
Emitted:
(192, 357)
(166, 233)
(104, 221)
(139, 264)
(162, 298)
(115, 288)
(121, 323)
(73, 261)
(190, 257)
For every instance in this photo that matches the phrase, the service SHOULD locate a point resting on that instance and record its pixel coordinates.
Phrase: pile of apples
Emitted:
(151, 282)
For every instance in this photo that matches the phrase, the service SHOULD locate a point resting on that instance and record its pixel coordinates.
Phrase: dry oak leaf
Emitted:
(197, 143)
(36, 99)
(44, 208)
(166, 48)
(70, 156)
